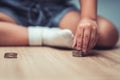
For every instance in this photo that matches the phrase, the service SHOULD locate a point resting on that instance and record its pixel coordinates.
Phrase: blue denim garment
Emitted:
(36, 12)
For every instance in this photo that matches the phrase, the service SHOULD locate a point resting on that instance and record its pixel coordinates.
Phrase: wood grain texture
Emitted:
(45, 63)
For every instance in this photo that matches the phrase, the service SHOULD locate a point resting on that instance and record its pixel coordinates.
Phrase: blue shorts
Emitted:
(48, 14)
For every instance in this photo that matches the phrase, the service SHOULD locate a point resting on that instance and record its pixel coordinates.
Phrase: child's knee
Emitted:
(70, 21)
(6, 18)
(108, 34)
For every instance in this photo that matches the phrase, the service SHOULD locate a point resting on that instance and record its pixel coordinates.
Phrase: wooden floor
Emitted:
(44, 63)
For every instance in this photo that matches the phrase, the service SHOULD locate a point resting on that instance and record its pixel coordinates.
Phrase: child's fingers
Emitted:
(86, 39)
(74, 43)
(80, 38)
(93, 38)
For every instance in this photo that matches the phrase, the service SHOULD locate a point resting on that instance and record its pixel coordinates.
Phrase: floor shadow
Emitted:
(103, 48)
(60, 48)
(92, 53)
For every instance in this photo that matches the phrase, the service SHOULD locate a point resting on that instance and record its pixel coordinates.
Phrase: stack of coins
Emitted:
(10, 55)
(77, 53)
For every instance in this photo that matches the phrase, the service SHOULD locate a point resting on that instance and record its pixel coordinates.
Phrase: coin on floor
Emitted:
(76, 53)
(10, 55)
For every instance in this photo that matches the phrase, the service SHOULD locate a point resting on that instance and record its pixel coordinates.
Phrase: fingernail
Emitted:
(84, 50)
(73, 46)
(79, 48)
(76, 48)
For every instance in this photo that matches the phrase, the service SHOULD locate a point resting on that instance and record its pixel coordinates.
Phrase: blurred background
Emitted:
(110, 9)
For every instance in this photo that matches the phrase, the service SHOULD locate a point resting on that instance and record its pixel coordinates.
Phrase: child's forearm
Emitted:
(88, 9)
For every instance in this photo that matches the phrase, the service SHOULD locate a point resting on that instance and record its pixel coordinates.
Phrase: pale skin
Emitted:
(89, 29)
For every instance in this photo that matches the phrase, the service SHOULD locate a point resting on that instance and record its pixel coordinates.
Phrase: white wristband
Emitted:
(35, 35)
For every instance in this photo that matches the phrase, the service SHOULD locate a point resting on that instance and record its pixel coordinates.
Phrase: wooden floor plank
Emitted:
(44, 63)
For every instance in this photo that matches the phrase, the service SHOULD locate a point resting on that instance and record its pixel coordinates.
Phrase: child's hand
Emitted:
(86, 35)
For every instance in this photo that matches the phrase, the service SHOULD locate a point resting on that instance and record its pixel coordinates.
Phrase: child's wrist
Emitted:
(89, 17)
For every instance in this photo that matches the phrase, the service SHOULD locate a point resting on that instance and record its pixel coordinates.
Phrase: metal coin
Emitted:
(10, 55)
(76, 53)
